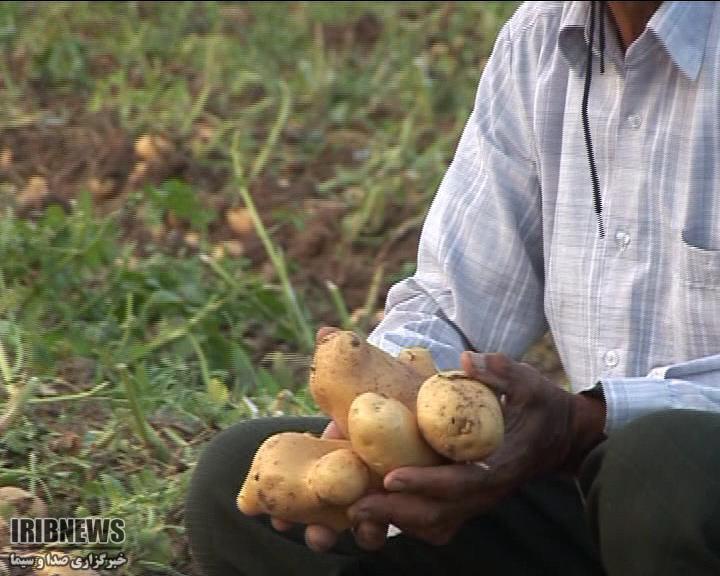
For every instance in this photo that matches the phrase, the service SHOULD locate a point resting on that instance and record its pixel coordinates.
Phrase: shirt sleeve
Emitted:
(692, 385)
(479, 280)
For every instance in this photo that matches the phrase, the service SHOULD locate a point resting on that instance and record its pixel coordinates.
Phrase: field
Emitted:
(188, 191)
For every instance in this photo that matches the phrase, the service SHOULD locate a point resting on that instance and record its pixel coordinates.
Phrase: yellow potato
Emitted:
(420, 359)
(395, 411)
(292, 478)
(459, 417)
(385, 434)
(18, 502)
(339, 478)
(345, 366)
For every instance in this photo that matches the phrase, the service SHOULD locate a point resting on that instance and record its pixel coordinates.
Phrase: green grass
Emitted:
(144, 352)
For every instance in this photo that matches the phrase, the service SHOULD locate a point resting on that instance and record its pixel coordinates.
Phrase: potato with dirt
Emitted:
(394, 411)
(385, 434)
(345, 366)
(420, 359)
(459, 417)
(301, 478)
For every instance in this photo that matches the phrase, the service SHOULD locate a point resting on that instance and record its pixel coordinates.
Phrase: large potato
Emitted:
(298, 478)
(459, 417)
(385, 434)
(345, 366)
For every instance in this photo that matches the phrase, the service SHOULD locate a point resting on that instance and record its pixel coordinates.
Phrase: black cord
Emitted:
(586, 122)
(602, 37)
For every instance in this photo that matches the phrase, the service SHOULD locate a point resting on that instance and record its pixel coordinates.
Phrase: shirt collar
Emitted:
(681, 28)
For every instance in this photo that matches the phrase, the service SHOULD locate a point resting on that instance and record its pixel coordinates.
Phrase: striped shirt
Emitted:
(510, 246)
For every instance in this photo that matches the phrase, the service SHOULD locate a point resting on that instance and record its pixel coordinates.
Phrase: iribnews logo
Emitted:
(67, 531)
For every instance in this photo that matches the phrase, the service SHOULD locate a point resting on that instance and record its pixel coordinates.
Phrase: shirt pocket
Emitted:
(692, 314)
(699, 266)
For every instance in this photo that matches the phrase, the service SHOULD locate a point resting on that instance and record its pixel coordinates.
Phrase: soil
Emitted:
(91, 151)
(52, 163)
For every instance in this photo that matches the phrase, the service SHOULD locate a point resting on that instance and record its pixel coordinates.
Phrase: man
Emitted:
(583, 197)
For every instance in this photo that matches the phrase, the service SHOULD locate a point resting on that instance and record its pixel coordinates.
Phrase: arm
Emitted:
(694, 384)
(480, 269)
(479, 280)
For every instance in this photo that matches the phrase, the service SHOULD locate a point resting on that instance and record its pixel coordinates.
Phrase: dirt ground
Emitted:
(53, 163)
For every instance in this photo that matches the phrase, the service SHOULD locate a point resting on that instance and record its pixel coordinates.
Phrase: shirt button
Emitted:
(634, 121)
(622, 239)
(611, 358)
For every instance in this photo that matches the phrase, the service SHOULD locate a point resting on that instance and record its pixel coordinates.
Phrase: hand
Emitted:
(433, 503)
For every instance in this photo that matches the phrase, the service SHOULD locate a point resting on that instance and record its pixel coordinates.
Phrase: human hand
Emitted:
(432, 503)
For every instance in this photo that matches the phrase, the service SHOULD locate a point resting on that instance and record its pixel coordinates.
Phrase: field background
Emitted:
(188, 190)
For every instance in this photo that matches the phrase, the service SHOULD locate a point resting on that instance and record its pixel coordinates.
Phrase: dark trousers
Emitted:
(647, 502)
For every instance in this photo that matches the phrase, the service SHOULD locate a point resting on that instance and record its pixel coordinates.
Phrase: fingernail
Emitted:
(395, 485)
(479, 361)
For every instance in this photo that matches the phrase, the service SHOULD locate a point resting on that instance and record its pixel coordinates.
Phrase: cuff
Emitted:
(630, 398)
(445, 357)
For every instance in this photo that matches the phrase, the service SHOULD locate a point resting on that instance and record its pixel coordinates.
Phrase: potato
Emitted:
(395, 411)
(345, 366)
(420, 359)
(385, 434)
(459, 417)
(339, 478)
(296, 477)
(18, 502)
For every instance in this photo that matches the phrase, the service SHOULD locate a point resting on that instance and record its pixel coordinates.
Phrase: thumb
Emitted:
(495, 362)
(498, 364)
(490, 369)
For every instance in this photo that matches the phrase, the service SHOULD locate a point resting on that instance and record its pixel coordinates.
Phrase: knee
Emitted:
(660, 446)
(211, 515)
(654, 484)
(210, 499)
(225, 460)
(217, 476)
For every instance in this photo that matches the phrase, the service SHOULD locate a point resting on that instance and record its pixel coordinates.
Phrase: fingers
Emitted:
(332, 432)
(323, 332)
(447, 482)
(498, 364)
(320, 538)
(370, 535)
(429, 520)
(280, 525)
(402, 510)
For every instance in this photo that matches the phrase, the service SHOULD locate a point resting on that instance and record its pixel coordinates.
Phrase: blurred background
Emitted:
(188, 191)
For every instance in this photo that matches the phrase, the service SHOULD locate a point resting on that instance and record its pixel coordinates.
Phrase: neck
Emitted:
(631, 18)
